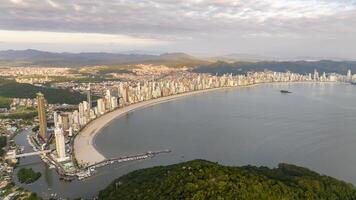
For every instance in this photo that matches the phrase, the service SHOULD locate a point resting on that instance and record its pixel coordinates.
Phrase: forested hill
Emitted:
(301, 67)
(201, 180)
(35, 58)
(12, 89)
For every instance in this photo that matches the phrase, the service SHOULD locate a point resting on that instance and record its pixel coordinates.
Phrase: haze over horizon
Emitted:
(277, 28)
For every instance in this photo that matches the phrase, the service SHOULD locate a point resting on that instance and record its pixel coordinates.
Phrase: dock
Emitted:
(91, 169)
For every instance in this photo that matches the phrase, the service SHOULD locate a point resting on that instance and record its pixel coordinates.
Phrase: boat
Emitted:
(285, 91)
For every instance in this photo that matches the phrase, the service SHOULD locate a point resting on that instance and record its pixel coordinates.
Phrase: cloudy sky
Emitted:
(280, 28)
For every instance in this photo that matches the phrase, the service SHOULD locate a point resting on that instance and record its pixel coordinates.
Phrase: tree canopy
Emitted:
(201, 179)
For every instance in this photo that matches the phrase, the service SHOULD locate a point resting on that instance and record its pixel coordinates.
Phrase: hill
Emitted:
(301, 67)
(32, 57)
(12, 89)
(199, 179)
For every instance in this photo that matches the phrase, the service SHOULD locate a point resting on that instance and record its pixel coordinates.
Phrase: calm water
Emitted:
(312, 127)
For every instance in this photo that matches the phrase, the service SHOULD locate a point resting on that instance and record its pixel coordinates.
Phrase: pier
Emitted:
(146, 155)
(91, 169)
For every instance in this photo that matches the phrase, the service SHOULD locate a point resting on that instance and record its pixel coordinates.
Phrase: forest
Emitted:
(12, 89)
(200, 180)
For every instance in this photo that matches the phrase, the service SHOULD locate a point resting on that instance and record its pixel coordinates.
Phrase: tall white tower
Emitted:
(60, 144)
(316, 75)
(349, 76)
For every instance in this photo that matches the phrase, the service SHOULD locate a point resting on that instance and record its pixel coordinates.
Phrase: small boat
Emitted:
(285, 92)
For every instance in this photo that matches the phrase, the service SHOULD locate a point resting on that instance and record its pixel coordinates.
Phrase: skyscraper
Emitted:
(60, 143)
(41, 109)
(89, 103)
(65, 121)
(349, 76)
(316, 75)
(89, 97)
(101, 106)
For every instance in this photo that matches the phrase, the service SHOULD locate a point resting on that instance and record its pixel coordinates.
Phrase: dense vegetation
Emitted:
(3, 140)
(5, 102)
(23, 115)
(33, 196)
(27, 175)
(301, 67)
(201, 179)
(12, 89)
(2, 152)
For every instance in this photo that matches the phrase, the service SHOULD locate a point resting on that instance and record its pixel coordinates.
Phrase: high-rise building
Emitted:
(89, 97)
(60, 144)
(107, 100)
(101, 106)
(89, 103)
(113, 102)
(65, 122)
(41, 109)
(316, 75)
(349, 76)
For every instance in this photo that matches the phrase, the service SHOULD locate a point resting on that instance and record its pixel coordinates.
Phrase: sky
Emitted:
(279, 28)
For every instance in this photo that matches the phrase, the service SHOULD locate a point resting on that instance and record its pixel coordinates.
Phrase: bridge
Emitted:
(13, 154)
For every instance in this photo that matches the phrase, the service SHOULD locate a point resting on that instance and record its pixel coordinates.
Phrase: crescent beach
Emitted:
(85, 151)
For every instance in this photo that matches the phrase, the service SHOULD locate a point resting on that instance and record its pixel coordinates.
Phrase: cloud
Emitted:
(189, 21)
(74, 38)
(53, 4)
(17, 1)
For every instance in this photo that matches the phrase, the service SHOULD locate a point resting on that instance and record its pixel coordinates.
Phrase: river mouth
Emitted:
(312, 127)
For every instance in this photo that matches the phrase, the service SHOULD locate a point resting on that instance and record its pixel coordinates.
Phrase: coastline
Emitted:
(85, 151)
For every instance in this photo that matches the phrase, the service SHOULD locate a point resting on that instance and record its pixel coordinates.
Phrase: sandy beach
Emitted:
(84, 148)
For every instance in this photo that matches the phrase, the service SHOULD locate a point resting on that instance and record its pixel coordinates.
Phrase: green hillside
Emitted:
(203, 180)
(5, 102)
(12, 89)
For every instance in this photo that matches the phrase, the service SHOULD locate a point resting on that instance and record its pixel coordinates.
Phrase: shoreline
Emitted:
(85, 150)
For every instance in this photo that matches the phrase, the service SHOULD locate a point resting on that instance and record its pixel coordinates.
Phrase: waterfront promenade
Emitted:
(84, 147)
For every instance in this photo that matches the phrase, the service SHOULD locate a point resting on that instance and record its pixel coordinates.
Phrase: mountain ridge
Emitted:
(31, 57)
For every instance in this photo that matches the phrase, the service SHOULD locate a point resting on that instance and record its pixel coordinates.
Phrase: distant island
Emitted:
(200, 179)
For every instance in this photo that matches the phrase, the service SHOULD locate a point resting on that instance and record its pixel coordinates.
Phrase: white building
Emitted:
(113, 102)
(60, 144)
(101, 106)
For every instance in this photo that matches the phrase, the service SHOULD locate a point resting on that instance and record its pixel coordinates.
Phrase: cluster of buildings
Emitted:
(116, 94)
(120, 94)
(23, 102)
(33, 75)
(331, 77)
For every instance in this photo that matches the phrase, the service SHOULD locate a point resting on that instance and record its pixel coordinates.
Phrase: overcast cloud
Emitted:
(202, 27)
